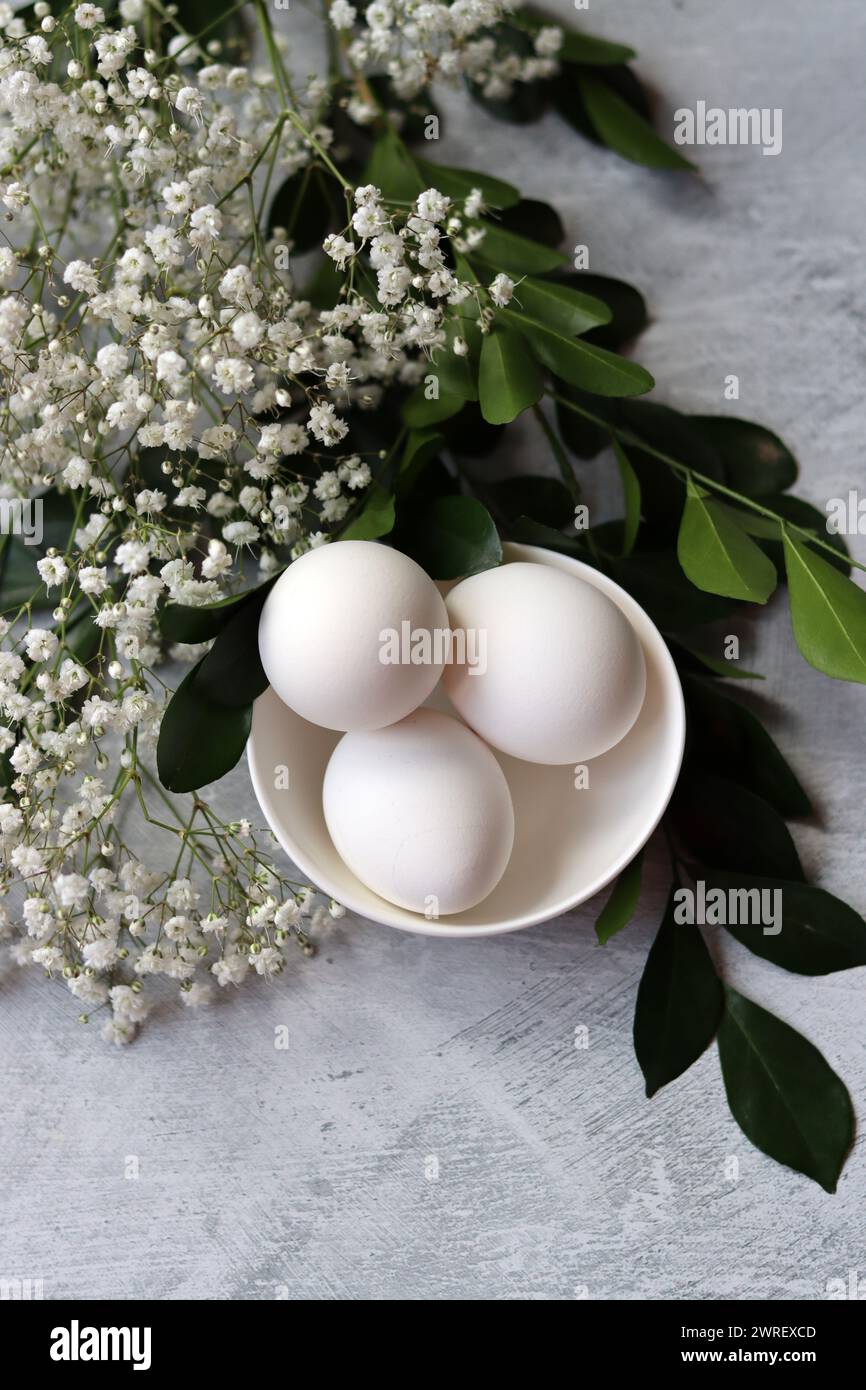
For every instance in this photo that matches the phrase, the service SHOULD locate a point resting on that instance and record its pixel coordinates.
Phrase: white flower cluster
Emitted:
(183, 411)
(419, 43)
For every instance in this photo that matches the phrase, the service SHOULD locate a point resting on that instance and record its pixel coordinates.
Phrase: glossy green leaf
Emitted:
(755, 460)
(231, 673)
(631, 498)
(420, 448)
(591, 368)
(199, 741)
(515, 255)
(419, 412)
(808, 518)
(627, 306)
(659, 585)
(524, 103)
(576, 47)
(458, 375)
(375, 519)
(795, 925)
(828, 613)
(392, 169)
(582, 437)
(694, 660)
(456, 537)
(717, 555)
(509, 378)
(469, 434)
(459, 183)
(726, 826)
(679, 1003)
(543, 499)
(19, 577)
(536, 220)
(783, 1093)
(726, 736)
(620, 906)
(308, 205)
(179, 622)
(563, 309)
(623, 130)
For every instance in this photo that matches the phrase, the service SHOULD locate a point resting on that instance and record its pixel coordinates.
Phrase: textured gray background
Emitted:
(302, 1174)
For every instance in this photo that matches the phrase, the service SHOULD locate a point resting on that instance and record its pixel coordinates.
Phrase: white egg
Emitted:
(348, 635)
(421, 813)
(562, 677)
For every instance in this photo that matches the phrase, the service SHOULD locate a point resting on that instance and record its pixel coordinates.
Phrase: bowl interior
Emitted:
(570, 840)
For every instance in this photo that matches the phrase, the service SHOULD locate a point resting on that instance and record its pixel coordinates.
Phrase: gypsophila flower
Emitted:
(501, 290)
(191, 414)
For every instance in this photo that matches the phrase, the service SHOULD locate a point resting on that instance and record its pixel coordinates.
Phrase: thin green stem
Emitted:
(685, 471)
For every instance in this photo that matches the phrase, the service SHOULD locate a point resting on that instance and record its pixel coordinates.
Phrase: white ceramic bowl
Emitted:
(569, 843)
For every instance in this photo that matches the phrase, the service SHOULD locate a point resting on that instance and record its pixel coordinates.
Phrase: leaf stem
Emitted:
(558, 452)
(684, 470)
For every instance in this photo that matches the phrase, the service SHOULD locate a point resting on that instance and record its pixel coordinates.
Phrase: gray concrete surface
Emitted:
(433, 1133)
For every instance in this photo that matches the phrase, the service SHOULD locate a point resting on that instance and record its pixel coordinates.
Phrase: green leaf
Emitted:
(420, 448)
(631, 498)
(409, 115)
(727, 737)
(755, 460)
(623, 130)
(376, 519)
(808, 518)
(179, 622)
(716, 553)
(392, 169)
(783, 1094)
(469, 434)
(679, 1003)
(198, 16)
(516, 255)
(458, 376)
(576, 47)
(324, 285)
(560, 308)
(691, 659)
(533, 219)
(629, 315)
(655, 579)
(726, 826)
(818, 934)
(581, 436)
(620, 906)
(594, 369)
(308, 205)
(459, 183)
(544, 499)
(419, 412)
(509, 379)
(455, 537)
(199, 741)
(525, 102)
(19, 577)
(828, 613)
(231, 673)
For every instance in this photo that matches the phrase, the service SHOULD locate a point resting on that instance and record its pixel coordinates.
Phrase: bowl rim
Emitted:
(388, 915)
